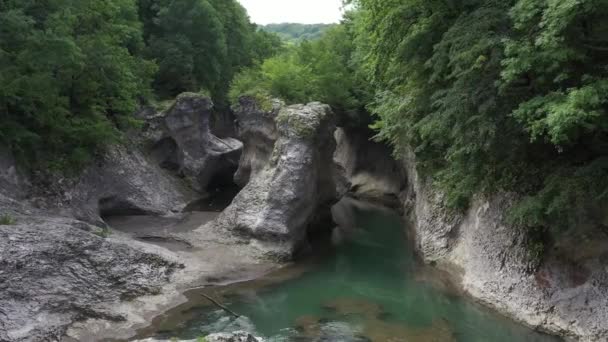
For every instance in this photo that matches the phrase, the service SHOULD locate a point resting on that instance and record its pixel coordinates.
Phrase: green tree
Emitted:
(201, 44)
(495, 95)
(188, 42)
(70, 76)
(557, 62)
(317, 70)
(281, 76)
(295, 33)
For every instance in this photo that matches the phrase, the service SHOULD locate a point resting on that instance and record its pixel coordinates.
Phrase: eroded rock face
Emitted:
(182, 142)
(54, 271)
(294, 187)
(257, 129)
(369, 167)
(567, 295)
(56, 267)
(123, 182)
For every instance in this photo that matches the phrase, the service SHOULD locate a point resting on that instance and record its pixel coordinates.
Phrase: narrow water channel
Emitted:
(368, 288)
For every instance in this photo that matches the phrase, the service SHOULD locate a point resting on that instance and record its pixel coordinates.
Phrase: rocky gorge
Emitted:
(66, 275)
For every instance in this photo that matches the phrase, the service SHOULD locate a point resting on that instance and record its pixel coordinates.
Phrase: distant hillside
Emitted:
(297, 32)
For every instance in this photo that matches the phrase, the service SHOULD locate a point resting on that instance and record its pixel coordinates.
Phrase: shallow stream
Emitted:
(368, 288)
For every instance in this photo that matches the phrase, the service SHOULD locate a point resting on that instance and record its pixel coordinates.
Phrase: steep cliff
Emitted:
(257, 129)
(567, 294)
(490, 259)
(288, 189)
(372, 172)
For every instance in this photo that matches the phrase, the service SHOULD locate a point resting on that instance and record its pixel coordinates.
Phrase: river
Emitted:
(369, 287)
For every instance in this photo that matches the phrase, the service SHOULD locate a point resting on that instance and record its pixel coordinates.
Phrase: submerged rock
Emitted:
(181, 141)
(381, 331)
(355, 306)
(295, 186)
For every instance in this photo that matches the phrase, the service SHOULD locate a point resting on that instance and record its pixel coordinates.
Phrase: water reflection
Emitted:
(369, 288)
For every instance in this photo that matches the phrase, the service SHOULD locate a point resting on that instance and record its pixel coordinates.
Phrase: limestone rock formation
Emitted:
(54, 271)
(257, 129)
(567, 295)
(56, 267)
(294, 187)
(11, 181)
(181, 141)
(371, 171)
(123, 182)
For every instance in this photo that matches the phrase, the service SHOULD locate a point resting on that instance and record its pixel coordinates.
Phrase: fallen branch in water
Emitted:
(220, 306)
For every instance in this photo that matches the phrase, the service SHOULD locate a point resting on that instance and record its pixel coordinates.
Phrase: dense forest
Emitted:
(295, 33)
(72, 73)
(489, 95)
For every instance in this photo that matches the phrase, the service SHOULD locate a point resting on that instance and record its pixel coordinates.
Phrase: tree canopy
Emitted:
(316, 70)
(296, 33)
(496, 95)
(70, 76)
(73, 73)
(201, 44)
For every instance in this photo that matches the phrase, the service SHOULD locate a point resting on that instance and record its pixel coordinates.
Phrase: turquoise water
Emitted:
(370, 288)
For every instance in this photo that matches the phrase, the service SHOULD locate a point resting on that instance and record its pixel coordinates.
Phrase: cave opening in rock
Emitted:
(113, 206)
(219, 193)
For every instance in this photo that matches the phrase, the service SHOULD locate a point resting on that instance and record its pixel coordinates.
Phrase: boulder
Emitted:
(294, 188)
(181, 140)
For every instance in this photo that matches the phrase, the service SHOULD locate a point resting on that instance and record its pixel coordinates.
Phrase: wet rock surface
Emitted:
(239, 336)
(274, 210)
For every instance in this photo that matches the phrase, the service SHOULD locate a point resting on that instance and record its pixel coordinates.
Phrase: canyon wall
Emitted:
(567, 294)
(490, 259)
